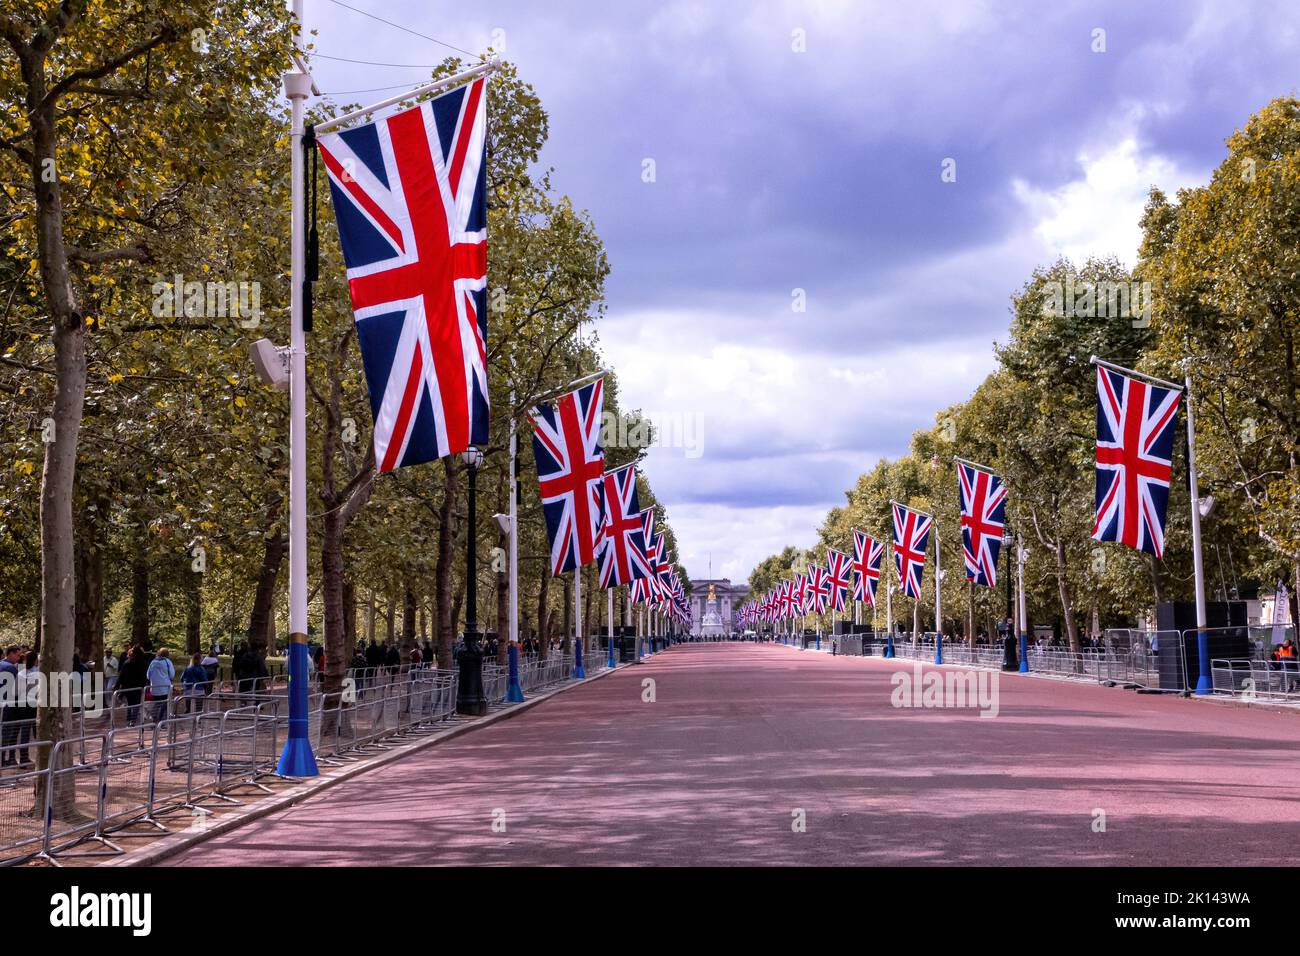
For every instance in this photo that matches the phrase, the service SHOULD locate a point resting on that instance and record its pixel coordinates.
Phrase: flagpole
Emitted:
(1021, 553)
(297, 760)
(938, 597)
(514, 690)
(609, 613)
(1204, 684)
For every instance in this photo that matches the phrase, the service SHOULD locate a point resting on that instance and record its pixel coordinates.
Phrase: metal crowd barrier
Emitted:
(1252, 679)
(113, 782)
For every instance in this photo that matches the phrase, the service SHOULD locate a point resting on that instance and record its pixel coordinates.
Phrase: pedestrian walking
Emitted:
(195, 685)
(161, 675)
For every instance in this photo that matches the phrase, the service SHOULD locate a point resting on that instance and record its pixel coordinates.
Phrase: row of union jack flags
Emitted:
(593, 515)
(1136, 421)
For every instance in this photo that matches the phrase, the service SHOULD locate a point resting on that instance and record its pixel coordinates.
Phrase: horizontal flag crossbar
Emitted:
(973, 464)
(910, 508)
(562, 389)
(1128, 371)
(489, 66)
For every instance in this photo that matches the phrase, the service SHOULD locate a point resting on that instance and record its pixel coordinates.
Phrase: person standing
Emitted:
(28, 685)
(131, 678)
(111, 667)
(9, 701)
(161, 676)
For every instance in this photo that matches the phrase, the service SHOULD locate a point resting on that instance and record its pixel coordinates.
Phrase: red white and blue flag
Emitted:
(820, 587)
(410, 197)
(1135, 446)
(837, 577)
(911, 537)
(570, 464)
(983, 500)
(622, 543)
(867, 552)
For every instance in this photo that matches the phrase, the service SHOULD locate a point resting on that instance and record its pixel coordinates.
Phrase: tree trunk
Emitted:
(331, 554)
(1067, 604)
(390, 614)
(193, 611)
(446, 623)
(273, 551)
(408, 622)
(58, 476)
(543, 596)
(140, 599)
(349, 619)
(90, 593)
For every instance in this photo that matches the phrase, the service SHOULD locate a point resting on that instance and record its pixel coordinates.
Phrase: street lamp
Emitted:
(469, 694)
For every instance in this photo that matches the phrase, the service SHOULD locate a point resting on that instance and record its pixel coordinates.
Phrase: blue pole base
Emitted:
(1204, 685)
(889, 647)
(819, 640)
(579, 673)
(514, 692)
(1024, 654)
(938, 649)
(297, 760)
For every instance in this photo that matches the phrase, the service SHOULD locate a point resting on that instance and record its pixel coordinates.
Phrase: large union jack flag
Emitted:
(837, 578)
(1135, 446)
(622, 541)
(570, 464)
(983, 518)
(867, 552)
(410, 196)
(911, 536)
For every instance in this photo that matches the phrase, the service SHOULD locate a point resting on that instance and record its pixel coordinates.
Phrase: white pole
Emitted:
(938, 585)
(514, 526)
(297, 86)
(1203, 682)
(297, 759)
(1024, 618)
(610, 615)
(577, 602)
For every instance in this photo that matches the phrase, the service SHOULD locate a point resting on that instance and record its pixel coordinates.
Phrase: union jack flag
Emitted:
(820, 586)
(663, 568)
(911, 535)
(867, 552)
(1135, 447)
(804, 589)
(622, 544)
(983, 518)
(791, 598)
(645, 590)
(570, 463)
(837, 577)
(410, 197)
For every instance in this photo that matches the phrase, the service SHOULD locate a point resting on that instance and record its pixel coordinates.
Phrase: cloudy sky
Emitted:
(797, 152)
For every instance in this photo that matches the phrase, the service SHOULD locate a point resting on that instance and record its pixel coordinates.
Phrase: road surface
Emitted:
(744, 743)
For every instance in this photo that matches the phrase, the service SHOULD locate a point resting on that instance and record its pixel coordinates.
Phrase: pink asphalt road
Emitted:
(742, 737)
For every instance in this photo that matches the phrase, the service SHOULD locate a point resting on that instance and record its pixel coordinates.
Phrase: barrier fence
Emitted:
(137, 762)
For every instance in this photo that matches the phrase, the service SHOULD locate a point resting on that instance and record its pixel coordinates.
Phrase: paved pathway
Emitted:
(741, 736)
